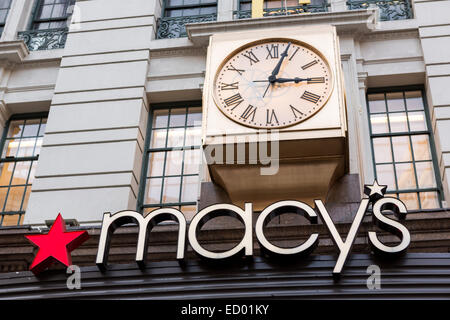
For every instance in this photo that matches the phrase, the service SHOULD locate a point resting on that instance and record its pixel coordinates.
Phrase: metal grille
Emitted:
(403, 147)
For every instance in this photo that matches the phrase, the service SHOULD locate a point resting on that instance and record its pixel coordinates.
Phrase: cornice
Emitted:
(389, 35)
(351, 21)
(13, 51)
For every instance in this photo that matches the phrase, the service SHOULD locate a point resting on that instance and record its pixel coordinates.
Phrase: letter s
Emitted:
(389, 225)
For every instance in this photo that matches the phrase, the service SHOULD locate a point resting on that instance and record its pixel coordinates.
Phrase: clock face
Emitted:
(273, 83)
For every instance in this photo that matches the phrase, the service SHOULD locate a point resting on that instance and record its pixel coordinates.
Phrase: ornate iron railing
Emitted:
(306, 8)
(174, 27)
(389, 9)
(44, 39)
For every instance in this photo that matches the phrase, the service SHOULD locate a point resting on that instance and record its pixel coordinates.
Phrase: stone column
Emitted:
(225, 9)
(337, 5)
(434, 30)
(360, 152)
(91, 158)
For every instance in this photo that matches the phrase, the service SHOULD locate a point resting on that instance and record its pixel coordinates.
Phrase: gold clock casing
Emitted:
(288, 64)
(313, 153)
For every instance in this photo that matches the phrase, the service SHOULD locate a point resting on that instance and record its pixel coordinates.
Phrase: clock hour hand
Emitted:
(275, 71)
(296, 80)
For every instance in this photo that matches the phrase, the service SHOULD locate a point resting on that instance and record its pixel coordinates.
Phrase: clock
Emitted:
(272, 83)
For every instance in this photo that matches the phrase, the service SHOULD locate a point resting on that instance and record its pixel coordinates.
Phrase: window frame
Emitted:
(3, 24)
(25, 116)
(35, 20)
(166, 7)
(141, 206)
(439, 188)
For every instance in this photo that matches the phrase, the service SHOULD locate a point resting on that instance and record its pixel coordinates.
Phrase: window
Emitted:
(5, 5)
(403, 147)
(269, 4)
(52, 14)
(172, 161)
(283, 7)
(21, 144)
(183, 8)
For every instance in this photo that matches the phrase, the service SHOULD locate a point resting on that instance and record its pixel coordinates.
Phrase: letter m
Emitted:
(145, 223)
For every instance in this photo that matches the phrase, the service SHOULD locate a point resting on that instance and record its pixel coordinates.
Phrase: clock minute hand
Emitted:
(278, 66)
(296, 80)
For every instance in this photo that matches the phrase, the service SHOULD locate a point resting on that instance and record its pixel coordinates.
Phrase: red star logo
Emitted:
(56, 245)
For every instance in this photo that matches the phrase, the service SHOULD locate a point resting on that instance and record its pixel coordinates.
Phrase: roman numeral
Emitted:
(295, 111)
(311, 97)
(233, 100)
(295, 52)
(229, 86)
(272, 51)
(271, 116)
(249, 112)
(232, 68)
(306, 66)
(251, 56)
(317, 80)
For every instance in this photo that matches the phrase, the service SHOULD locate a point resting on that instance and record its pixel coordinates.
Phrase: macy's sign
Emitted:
(380, 204)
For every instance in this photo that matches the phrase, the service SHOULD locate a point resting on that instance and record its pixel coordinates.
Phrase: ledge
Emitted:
(13, 51)
(351, 21)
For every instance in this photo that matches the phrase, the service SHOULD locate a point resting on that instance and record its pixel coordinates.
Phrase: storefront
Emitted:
(295, 144)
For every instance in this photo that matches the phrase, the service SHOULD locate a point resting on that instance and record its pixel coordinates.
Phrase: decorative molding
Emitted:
(178, 52)
(389, 35)
(12, 52)
(351, 21)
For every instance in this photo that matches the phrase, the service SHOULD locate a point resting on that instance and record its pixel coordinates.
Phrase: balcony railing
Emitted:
(306, 8)
(44, 39)
(174, 27)
(389, 9)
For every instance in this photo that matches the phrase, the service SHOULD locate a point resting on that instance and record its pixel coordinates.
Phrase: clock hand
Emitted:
(296, 80)
(268, 86)
(275, 71)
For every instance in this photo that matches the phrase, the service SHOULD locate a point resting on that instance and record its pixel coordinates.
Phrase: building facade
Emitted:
(104, 108)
